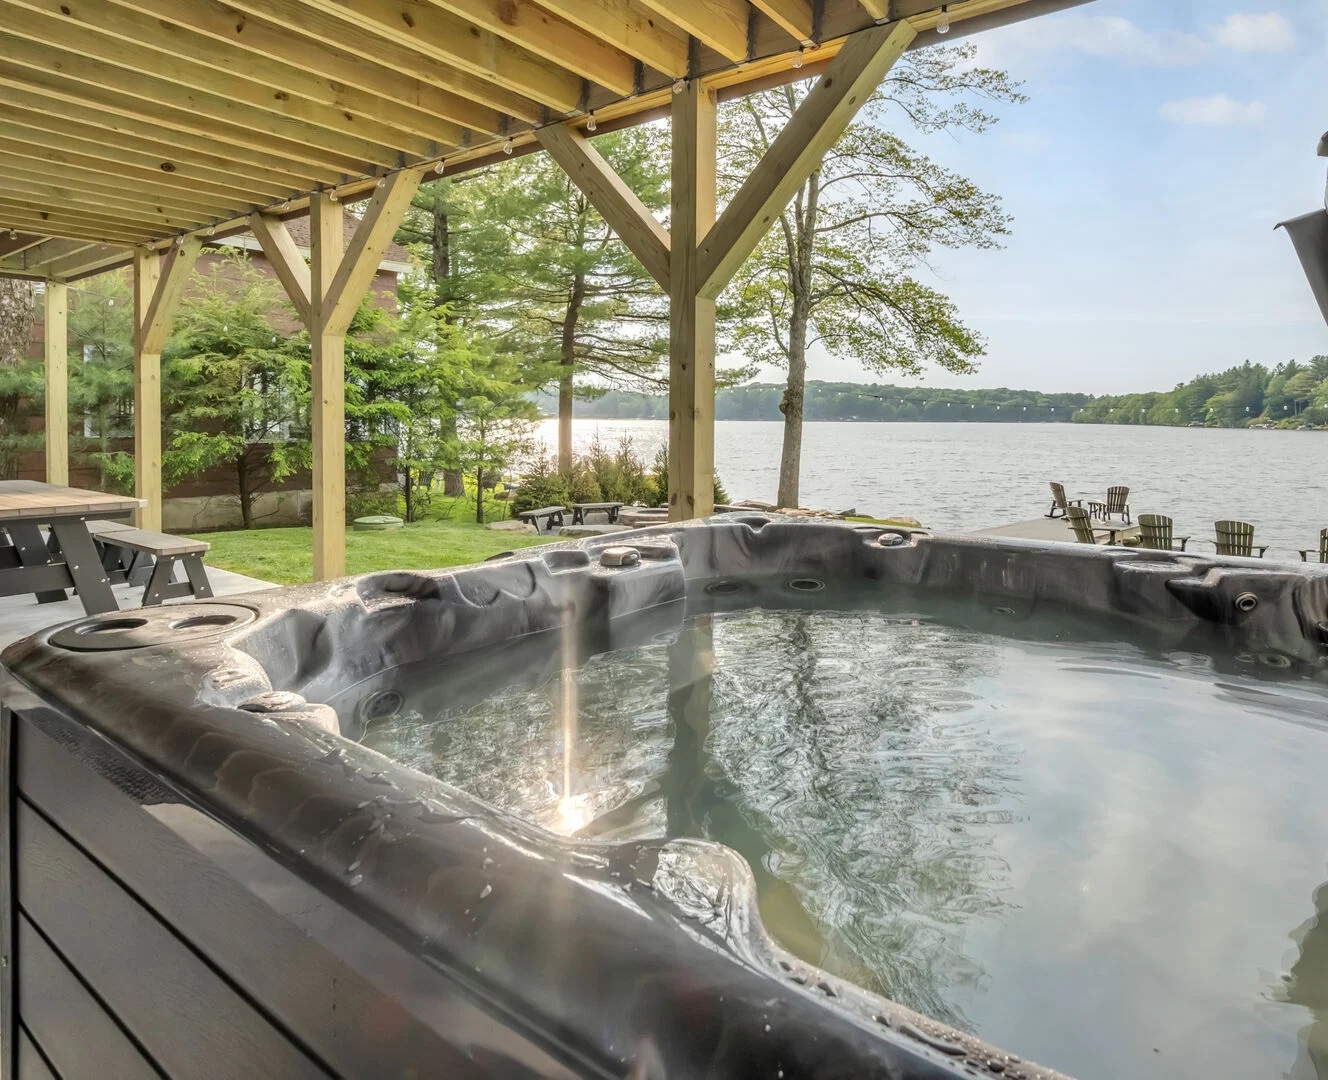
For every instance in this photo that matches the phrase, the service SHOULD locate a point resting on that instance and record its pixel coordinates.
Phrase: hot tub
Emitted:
(227, 856)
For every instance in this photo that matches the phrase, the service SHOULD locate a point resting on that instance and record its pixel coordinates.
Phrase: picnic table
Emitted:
(552, 516)
(67, 557)
(609, 509)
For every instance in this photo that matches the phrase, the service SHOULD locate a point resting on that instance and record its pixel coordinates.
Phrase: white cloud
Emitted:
(1107, 36)
(1265, 33)
(1216, 110)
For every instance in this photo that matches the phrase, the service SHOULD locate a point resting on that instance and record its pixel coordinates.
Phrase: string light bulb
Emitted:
(679, 85)
(590, 121)
(507, 147)
(439, 167)
(797, 60)
(332, 195)
(13, 234)
(943, 23)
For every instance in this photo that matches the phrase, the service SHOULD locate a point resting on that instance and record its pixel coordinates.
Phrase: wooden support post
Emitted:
(338, 278)
(159, 285)
(57, 383)
(328, 399)
(700, 256)
(691, 316)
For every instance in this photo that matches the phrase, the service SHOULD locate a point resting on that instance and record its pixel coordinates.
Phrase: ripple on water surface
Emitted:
(1104, 858)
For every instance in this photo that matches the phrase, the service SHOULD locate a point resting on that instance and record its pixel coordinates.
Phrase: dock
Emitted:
(1055, 529)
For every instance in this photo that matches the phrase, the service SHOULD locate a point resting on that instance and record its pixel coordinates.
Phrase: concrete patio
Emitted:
(21, 616)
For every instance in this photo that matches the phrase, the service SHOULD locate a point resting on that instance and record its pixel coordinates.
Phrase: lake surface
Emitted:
(1103, 855)
(964, 477)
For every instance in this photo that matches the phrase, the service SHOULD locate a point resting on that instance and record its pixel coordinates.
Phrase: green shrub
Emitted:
(541, 486)
(599, 474)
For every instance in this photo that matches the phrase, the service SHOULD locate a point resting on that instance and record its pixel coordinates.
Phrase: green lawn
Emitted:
(285, 556)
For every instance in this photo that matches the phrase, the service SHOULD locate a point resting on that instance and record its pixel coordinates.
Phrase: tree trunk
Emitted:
(454, 482)
(408, 494)
(246, 495)
(790, 457)
(568, 354)
(479, 495)
(800, 278)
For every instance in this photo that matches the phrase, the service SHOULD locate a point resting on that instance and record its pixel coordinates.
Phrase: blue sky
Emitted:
(1160, 145)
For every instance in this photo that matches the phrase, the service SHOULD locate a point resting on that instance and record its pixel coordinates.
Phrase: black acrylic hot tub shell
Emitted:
(203, 878)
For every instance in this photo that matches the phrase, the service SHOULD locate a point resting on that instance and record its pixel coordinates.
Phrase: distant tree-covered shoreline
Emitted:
(1289, 395)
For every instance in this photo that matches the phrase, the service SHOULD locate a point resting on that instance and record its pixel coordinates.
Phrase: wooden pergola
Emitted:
(135, 132)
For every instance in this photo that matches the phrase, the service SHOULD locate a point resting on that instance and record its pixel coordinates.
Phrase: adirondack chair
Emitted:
(1305, 553)
(1155, 533)
(1081, 523)
(1117, 505)
(1059, 504)
(1237, 538)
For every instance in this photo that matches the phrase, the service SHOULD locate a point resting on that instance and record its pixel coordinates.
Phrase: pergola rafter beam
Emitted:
(325, 24)
(794, 17)
(54, 46)
(626, 214)
(157, 102)
(630, 28)
(440, 35)
(183, 151)
(151, 46)
(556, 40)
(289, 45)
(96, 201)
(721, 24)
(851, 78)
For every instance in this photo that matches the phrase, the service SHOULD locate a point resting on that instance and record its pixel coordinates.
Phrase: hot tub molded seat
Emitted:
(210, 871)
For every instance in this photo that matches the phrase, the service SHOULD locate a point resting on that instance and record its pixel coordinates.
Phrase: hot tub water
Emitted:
(1099, 855)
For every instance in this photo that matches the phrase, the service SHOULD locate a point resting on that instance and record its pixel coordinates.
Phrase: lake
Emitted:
(963, 477)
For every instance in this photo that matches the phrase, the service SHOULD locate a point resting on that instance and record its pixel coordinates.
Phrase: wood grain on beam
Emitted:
(58, 194)
(176, 266)
(440, 35)
(360, 263)
(180, 150)
(815, 126)
(56, 376)
(721, 24)
(794, 17)
(287, 262)
(59, 45)
(361, 42)
(123, 170)
(691, 316)
(626, 214)
(219, 67)
(89, 259)
(290, 46)
(556, 40)
(76, 226)
(877, 9)
(328, 393)
(156, 101)
(625, 26)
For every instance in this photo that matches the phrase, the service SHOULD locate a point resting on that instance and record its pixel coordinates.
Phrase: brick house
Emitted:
(208, 501)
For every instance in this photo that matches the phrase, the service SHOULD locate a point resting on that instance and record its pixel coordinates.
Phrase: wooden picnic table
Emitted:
(67, 558)
(609, 509)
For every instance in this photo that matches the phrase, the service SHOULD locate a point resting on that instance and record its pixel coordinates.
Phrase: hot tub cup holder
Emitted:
(145, 627)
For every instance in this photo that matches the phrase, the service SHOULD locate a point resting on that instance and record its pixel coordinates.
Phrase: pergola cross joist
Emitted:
(135, 132)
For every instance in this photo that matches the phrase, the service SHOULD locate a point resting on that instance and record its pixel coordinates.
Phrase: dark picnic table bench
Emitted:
(609, 509)
(552, 516)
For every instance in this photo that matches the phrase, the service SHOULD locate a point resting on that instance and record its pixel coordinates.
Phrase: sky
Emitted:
(1160, 145)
